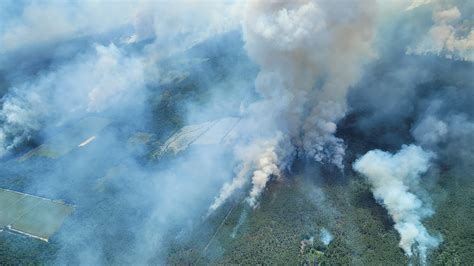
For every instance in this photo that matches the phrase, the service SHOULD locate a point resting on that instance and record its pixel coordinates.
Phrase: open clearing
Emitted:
(31, 215)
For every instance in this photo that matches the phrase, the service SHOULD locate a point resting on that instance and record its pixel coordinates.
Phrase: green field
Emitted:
(34, 216)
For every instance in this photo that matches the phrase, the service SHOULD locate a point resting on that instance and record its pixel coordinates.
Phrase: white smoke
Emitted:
(95, 82)
(310, 52)
(259, 161)
(266, 165)
(174, 30)
(18, 120)
(395, 179)
(296, 44)
(35, 25)
(325, 236)
(107, 77)
(450, 36)
(240, 180)
(168, 22)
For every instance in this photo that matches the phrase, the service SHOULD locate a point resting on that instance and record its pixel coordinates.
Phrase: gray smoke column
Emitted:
(309, 53)
(395, 178)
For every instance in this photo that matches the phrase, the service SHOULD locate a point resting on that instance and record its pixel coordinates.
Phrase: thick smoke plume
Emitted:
(395, 180)
(266, 166)
(95, 82)
(87, 101)
(306, 68)
(447, 37)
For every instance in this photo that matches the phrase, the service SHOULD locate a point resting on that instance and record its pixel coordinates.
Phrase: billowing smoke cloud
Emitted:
(410, 95)
(296, 45)
(395, 180)
(306, 68)
(95, 82)
(265, 166)
(261, 155)
(30, 25)
(81, 64)
(405, 98)
(174, 30)
(108, 75)
(325, 236)
(448, 36)
(318, 81)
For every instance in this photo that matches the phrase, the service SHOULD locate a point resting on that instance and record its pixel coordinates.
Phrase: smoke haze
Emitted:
(153, 118)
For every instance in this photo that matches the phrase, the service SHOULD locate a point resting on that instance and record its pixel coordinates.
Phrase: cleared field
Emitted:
(31, 215)
(207, 133)
(68, 138)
